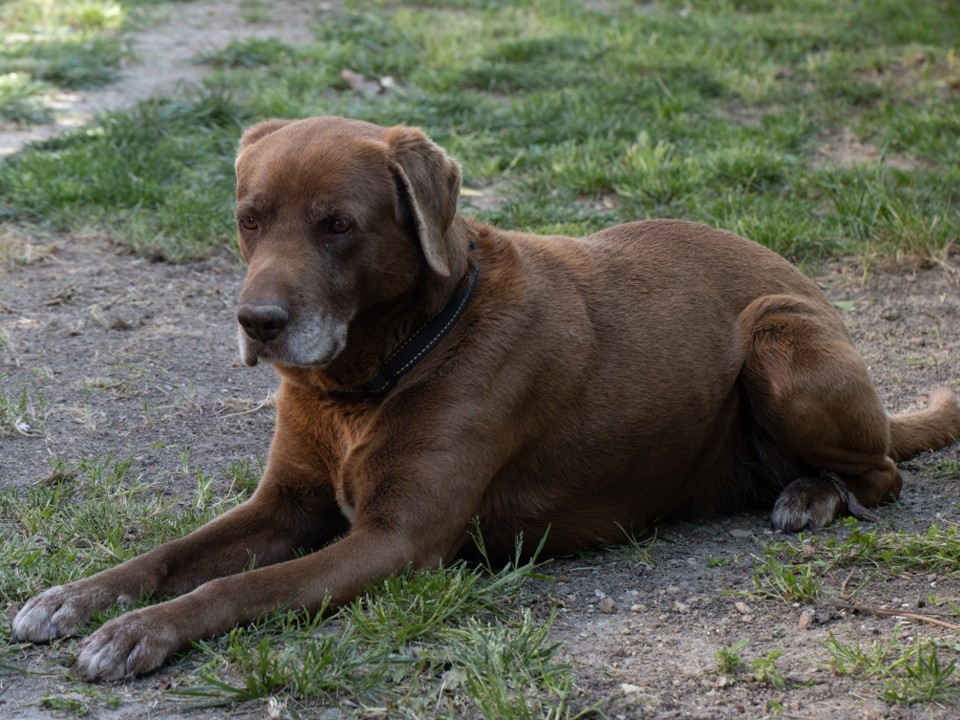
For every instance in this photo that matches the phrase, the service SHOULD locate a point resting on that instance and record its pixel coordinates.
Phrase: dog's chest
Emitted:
(351, 447)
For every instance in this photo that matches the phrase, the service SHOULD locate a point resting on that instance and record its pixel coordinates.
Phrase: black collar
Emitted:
(415, 347)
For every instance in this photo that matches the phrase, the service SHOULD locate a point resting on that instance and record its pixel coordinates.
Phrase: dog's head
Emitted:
(335, 217)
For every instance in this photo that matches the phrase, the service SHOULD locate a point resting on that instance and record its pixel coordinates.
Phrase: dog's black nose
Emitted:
(262, 322)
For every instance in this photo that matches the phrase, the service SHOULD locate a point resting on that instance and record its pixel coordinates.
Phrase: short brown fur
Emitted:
(655, 369)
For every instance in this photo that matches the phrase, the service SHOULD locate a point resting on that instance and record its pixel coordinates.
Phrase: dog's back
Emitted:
(626, 350)
(624, 345)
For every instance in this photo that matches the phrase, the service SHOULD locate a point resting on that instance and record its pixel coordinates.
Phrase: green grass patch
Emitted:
(431, 643)
(56, 44)
(21, 99)
(762, 670)
(900, 670)
(424, 642)
(801, 571)
(89, 515)
(816, 128)
(165, 191)
(789, 582)
(23, 409)
(905, 672)
(936, 551)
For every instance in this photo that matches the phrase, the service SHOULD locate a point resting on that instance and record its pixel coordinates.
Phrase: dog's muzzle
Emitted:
(268, 332)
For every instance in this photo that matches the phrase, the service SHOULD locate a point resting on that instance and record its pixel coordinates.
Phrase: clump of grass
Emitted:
(286, 653)
(640, 546)
(727, 660)
(163, 189)
(766, 672)
(22, 411)
(251, 53)
(925, 678)
(22, 99)
(86, 516)
(793, 570)
(904, 673)
(405, 608)
(785, 581)
(70, 44)
(729, 663)
(446, 634)
(79, 700)
(935, 551)
(897, 213)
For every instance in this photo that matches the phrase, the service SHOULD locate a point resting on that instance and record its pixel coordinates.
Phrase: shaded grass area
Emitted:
(815, 128)
(429, 644)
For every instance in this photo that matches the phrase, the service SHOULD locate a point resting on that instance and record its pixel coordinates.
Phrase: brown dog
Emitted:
(438, 373)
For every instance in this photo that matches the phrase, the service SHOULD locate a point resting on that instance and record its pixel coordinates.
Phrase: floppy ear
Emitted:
(260, 131)
(430, 179)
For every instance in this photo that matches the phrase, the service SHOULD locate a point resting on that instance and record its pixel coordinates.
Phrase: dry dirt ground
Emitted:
(138, 360)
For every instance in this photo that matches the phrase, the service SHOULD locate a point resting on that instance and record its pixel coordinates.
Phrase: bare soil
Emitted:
(138, 359)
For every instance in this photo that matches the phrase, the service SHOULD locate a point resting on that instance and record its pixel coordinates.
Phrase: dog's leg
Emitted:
(810, 390)
(266, 529)
(410, 507)
(143, 639)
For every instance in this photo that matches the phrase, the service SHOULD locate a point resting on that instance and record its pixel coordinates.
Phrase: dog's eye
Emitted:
(247, 222)
(339, 226)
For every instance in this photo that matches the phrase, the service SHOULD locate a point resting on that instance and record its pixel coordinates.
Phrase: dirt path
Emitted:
(163, 56)
(138, 360)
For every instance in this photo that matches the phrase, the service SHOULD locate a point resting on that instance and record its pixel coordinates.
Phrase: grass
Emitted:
(56, 44)
(22, 410)
(936, 551)
(788, 582)
(763, 668)
(902, 672)
(430, 642)
(86, 516)
(816, 128)
(796, 572)
(496, 665)
(419, 642)
(915, 670)
(727, 660)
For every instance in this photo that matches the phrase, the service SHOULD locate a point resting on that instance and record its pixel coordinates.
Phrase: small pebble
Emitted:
(607, 605)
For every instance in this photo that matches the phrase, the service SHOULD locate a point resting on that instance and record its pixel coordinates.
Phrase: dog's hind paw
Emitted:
(806, 503)
(811, 503)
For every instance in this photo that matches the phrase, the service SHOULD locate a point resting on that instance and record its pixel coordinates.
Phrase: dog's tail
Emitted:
(931, 429)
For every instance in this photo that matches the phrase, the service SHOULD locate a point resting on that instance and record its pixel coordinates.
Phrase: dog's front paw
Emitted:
(806, 503)
(54, 613)
(132, 644)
